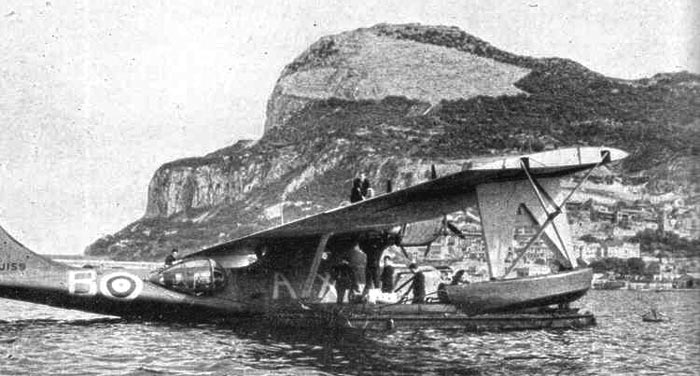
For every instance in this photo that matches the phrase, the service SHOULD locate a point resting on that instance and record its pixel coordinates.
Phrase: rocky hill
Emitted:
(393, 99)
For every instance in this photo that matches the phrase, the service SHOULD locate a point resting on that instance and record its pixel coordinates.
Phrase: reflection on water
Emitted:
(40, 340)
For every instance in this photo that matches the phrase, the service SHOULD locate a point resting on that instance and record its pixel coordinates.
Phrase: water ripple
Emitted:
(40, 340)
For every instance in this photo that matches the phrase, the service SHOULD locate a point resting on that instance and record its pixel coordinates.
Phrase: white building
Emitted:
(588, 251)
(622, 251)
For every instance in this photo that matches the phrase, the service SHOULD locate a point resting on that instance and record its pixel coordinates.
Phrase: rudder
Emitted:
(15, 258)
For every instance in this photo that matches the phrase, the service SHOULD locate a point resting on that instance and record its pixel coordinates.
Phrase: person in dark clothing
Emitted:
(372, 244)
(358, 263)
(344, 278)
(418, 285)
(356, 192)
(172, 258)
(372, 276)
(387, 277)
(364, 186)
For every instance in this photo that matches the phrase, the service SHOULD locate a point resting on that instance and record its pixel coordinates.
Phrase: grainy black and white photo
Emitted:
(349, 188)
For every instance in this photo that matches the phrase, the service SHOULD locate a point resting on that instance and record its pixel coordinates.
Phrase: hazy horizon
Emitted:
(94, 97)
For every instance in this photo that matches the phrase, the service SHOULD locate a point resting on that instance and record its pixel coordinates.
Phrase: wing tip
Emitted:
(615, 154)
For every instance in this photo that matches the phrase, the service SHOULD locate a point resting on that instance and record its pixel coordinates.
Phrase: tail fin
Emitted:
(16, 259)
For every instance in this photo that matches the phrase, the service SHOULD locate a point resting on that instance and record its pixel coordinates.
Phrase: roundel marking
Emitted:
(121, 285)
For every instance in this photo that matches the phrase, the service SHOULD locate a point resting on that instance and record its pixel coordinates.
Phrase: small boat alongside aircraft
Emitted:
(284, 275)
(509, 295)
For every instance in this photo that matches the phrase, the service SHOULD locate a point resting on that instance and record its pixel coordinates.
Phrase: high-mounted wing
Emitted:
(433, 198)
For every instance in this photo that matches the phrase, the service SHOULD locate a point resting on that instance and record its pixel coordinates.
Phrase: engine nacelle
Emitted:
(198, 276)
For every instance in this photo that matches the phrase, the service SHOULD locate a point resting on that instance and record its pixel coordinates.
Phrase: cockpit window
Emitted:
(200, 276)
(240, 255)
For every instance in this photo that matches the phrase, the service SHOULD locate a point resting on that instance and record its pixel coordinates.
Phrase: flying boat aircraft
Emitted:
(283, 274)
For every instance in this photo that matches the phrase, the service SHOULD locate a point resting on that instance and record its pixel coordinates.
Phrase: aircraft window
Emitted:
(197, 277)
(239, 261)
(241, 257)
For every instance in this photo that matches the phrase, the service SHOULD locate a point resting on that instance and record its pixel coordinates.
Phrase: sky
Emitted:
(96, 95)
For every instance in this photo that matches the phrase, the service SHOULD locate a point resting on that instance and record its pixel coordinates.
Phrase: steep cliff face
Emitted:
(392, 100)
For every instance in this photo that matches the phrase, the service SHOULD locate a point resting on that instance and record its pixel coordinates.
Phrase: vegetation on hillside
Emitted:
(664, 244)
(631, 266)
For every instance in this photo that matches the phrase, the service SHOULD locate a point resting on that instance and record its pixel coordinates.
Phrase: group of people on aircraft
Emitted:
(361, 189)
(348, 273)
(363, 260)
(347, 281)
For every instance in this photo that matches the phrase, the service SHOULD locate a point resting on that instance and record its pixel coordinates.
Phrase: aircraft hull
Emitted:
(364, 317)
(148, 309)
(521, 293)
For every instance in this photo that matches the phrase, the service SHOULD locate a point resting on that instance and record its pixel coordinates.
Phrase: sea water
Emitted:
(38, 340)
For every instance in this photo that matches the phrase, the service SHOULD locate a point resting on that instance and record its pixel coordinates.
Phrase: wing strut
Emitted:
(405, 253)
(551, 215)
(309, 282)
